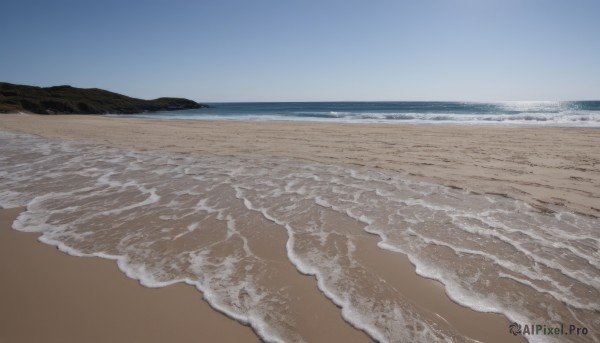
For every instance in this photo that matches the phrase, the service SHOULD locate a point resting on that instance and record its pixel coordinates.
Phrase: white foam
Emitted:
(72, 187)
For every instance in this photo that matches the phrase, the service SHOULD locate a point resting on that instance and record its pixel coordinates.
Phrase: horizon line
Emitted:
(359, 101)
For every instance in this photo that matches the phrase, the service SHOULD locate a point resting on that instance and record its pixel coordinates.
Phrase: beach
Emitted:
(535, 172)
(543, 166)
(52, 297)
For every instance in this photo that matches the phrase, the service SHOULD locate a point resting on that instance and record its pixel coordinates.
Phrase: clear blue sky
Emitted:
(284, 50)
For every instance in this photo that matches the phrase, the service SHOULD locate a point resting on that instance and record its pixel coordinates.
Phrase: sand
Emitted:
(547, 167)
(48, 296)
(544, 166)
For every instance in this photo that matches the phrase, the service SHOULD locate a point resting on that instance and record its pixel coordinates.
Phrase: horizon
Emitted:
(268, 51)
(401, 101)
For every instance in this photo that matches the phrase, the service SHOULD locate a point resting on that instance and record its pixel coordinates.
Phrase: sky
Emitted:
(304, 50)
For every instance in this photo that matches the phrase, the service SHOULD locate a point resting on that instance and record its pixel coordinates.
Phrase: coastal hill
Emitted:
(72, 100)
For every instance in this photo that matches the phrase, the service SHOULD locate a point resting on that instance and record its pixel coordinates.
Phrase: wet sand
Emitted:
(48, 296)
(545, 167)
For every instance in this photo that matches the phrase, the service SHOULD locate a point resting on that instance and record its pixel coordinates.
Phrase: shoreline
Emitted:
(360, 123)
(70, 280)
(548, 168)
(50, 296)
(256, 140)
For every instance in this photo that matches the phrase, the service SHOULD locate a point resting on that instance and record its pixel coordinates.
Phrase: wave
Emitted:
(560, 119)
(553, 118)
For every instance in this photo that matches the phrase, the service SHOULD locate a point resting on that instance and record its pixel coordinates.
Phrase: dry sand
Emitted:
(544, 166)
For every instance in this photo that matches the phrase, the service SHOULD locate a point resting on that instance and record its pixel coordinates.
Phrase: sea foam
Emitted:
(168, 218)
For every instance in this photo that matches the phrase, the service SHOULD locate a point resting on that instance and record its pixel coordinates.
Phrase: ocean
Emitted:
(535, 113)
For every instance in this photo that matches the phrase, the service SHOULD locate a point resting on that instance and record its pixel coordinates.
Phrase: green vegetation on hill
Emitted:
(71, 100)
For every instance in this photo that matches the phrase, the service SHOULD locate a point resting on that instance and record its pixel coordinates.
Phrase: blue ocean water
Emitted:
(572, 113)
